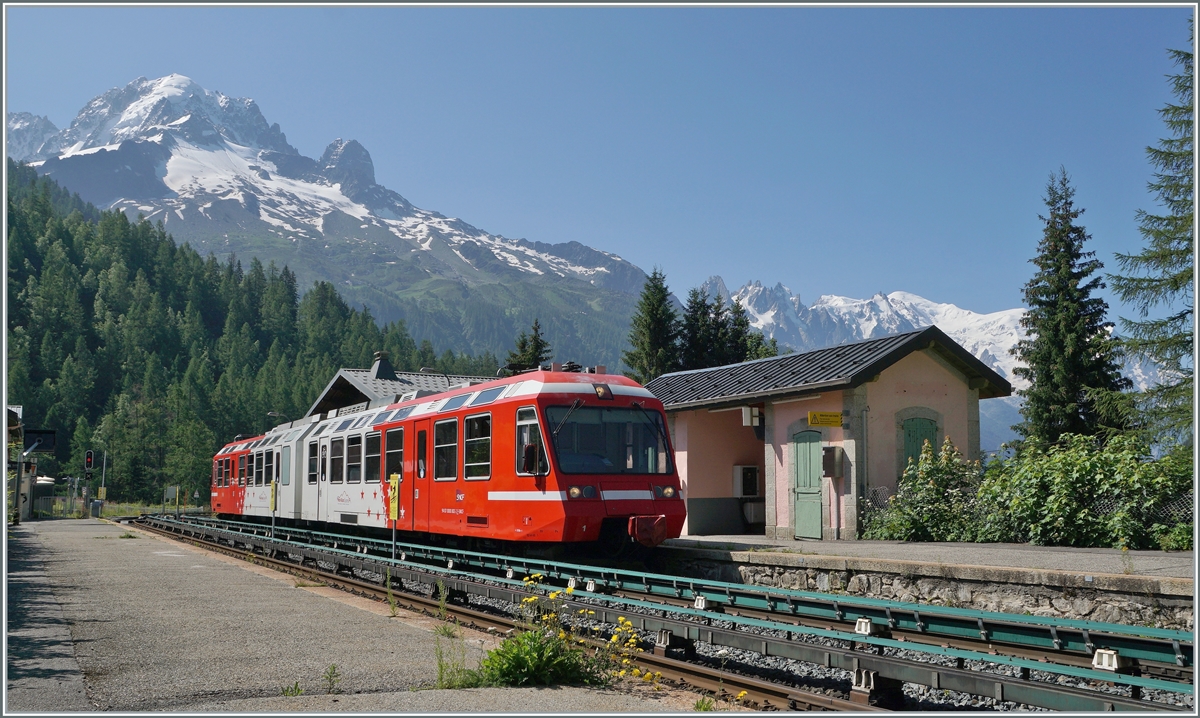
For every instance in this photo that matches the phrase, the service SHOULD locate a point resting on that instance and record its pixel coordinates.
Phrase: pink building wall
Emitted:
(917, 380)
(707, 447)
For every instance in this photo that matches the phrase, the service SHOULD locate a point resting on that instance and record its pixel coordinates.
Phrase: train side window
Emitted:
(372, 462)
(269, 468)
(284, 467)
(228, 472)
(421, 454)
(395, 453)
(312, 462)
(258, 468)
(529, 434)
(354, 459)
(477, 447)
(336, 450)
(445, 450)
(242, 470)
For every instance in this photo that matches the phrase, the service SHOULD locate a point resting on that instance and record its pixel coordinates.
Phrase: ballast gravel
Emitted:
(160, 625)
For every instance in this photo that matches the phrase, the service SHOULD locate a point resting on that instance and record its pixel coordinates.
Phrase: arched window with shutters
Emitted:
(914, 426)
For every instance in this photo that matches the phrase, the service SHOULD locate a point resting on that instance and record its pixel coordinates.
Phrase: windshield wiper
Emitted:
(657, 424)
(574, 405)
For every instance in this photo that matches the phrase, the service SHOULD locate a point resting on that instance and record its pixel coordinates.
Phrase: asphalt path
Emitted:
(101, 622)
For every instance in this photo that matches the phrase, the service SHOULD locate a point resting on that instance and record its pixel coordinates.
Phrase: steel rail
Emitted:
(758, 693)
(694, 624)
(1062, 637)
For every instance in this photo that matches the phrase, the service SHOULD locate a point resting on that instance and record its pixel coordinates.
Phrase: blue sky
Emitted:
(837, 150)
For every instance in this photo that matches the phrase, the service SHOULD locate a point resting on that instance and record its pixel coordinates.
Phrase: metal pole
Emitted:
(17, 489)
(103, 467)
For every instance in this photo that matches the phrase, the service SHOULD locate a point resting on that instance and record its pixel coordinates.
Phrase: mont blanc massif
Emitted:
(220, 177)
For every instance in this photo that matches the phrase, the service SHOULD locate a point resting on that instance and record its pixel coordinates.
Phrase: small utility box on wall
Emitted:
(745, 482)
(831, 462)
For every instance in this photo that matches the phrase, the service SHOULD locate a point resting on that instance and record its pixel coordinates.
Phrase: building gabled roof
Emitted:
(356, 386)
(841, 367)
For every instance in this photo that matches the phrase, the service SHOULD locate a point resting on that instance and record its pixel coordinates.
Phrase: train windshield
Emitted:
(602, 440)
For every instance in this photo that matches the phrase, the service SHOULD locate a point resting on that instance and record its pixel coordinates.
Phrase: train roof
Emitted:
(422, 402)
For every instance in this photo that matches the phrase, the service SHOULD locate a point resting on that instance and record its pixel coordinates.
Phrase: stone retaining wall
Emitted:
(1132, 600)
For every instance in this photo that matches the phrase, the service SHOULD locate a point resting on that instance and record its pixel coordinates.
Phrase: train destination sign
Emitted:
(824, 418)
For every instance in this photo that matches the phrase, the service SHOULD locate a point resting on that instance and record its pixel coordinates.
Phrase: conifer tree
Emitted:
(695, 338)
(1161, 275)
(653, 332)
(532, 350)
(1068, 353)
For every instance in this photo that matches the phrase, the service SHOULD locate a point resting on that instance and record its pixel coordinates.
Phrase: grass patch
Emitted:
(704, 704)
(332, 678)
(447, 630)
(452, 666)
(301, 583)
(292, 690)
(129, 535)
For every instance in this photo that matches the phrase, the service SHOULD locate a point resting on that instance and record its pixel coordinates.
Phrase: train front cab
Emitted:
(609, 447)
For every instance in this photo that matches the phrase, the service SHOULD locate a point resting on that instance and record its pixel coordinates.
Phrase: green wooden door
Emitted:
(916, 433)
(806, 483)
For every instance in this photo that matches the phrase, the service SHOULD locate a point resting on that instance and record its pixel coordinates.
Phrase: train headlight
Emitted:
(664, 492)
(586, 492)
(589, 492)
(574, 492)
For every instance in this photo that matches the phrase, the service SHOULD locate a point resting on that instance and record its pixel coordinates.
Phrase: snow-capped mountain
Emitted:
(27, 133)
(220, 177)
(176, 152)
(832, 320)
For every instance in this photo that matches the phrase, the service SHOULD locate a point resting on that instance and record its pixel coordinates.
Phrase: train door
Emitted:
(394, 467)
(307, 509)
(421, 473)
(322, 503)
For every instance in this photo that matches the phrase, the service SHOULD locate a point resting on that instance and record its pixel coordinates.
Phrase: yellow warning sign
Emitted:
(824, 418)
(101, 492)
(273, 485)
(393, 496)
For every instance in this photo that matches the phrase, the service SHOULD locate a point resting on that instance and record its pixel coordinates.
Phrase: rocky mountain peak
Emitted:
(349, 165)
(26, 133)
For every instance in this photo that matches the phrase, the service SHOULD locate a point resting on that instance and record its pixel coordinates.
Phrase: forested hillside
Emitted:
(123, 341)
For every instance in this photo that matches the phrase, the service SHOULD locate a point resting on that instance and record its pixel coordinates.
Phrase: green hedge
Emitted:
(1079, 492)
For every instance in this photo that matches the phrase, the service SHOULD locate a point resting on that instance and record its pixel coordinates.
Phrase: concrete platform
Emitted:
(1152, 588)
(1084, 561)
(101, 622)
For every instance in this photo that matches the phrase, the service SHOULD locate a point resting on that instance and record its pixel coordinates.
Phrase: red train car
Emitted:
(544, 457)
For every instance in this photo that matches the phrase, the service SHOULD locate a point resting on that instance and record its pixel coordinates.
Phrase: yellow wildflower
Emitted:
(636, 673)
(562, 634)
(647, 677)
(553, 595)
(622, 673)
(591, 613)
(570, 590)
(740, 696)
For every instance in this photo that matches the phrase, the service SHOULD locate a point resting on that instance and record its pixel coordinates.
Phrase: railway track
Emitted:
(833, 631)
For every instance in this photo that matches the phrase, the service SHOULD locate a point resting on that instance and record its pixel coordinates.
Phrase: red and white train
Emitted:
(543, 457)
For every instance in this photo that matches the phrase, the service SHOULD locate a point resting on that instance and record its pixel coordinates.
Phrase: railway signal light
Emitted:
(89, 459)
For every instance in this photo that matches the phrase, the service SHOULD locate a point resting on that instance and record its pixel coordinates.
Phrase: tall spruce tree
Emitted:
(1160, 276)
(695, 340)
(532, 349)
(653, 332)
(1068, 355)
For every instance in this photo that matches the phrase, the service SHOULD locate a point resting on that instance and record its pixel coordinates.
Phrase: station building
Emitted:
(789, 446)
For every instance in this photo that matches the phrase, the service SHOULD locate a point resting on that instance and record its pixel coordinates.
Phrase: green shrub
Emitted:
(1176, 538)
(934, 500)
(540, 657)
(1080, 492)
